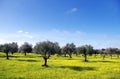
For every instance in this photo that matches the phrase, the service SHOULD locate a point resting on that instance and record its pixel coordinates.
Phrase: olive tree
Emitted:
(6, 49)
(69, 49)
(9, 47)
(85, 49)
(95, 52)
(46, 49)
(14, 47)
(111, 51)
(117, 52)
(82, 50)
(1, 48)
(26, 48)
(103, 53)
(64, 51)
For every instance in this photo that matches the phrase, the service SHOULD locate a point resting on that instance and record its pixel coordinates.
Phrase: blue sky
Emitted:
(95, 22)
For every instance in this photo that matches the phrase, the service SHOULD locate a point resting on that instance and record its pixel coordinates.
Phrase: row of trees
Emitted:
(48, 48)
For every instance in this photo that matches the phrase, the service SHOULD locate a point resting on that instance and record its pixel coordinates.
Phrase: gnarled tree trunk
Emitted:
(70, 55)
(65, 55)
(7, 57)
(25, 53)
(103, 56)
(12, 53)
(45, 61)
(110, 56)
(85, 57)
(117, 55)
(95, 55)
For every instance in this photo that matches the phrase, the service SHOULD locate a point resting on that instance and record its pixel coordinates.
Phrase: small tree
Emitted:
(64, 51)
(103, 53)
(46, 49)
(6, 49)
(82, 50)
(95, 51)
(14, 47)
(111, 51)
(89, 49)
(69, 49)
(86, 49)
(117, 52)
(1, 47)
(26, 48)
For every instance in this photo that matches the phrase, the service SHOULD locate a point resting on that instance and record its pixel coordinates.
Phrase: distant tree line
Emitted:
(48, 48)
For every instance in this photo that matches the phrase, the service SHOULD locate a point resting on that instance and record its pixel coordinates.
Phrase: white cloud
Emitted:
(2, 41)
(26, 32)
(74, 9)
(19, 37)
(104, 43)
(23, 34)
(19, 31)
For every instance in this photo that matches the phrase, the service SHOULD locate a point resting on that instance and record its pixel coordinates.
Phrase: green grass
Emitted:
(29, 67)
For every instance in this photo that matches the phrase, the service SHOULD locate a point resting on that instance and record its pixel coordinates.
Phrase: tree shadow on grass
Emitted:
(78, 68)
(2, 56)
(18, 56)
(27, 60)
(11, 56)
(104, 61)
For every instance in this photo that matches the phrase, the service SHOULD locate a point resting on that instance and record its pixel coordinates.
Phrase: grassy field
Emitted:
(29, 67)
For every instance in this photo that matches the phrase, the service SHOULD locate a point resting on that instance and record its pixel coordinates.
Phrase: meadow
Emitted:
(29, 67)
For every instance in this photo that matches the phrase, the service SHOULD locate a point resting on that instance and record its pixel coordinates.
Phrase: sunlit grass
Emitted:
(29, 67)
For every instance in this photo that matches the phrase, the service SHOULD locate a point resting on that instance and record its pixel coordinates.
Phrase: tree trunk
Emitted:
(12, 53)
(95, 55)
(111, 56)
(49, 56)
(65, 55)
(76, 54)
(45, 62)
(70, 55)
(85, 57)
(7, 57)
(117, 56)
(103, 56)
(25, 53)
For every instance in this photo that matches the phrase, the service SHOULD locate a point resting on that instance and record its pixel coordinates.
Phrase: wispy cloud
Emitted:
(62, 37)
(20, 36)
(28, 36)
(72, 10)
(20, 42)
(19, 31)
(24, 34)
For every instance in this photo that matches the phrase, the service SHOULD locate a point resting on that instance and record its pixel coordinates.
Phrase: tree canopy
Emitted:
(26, 48)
